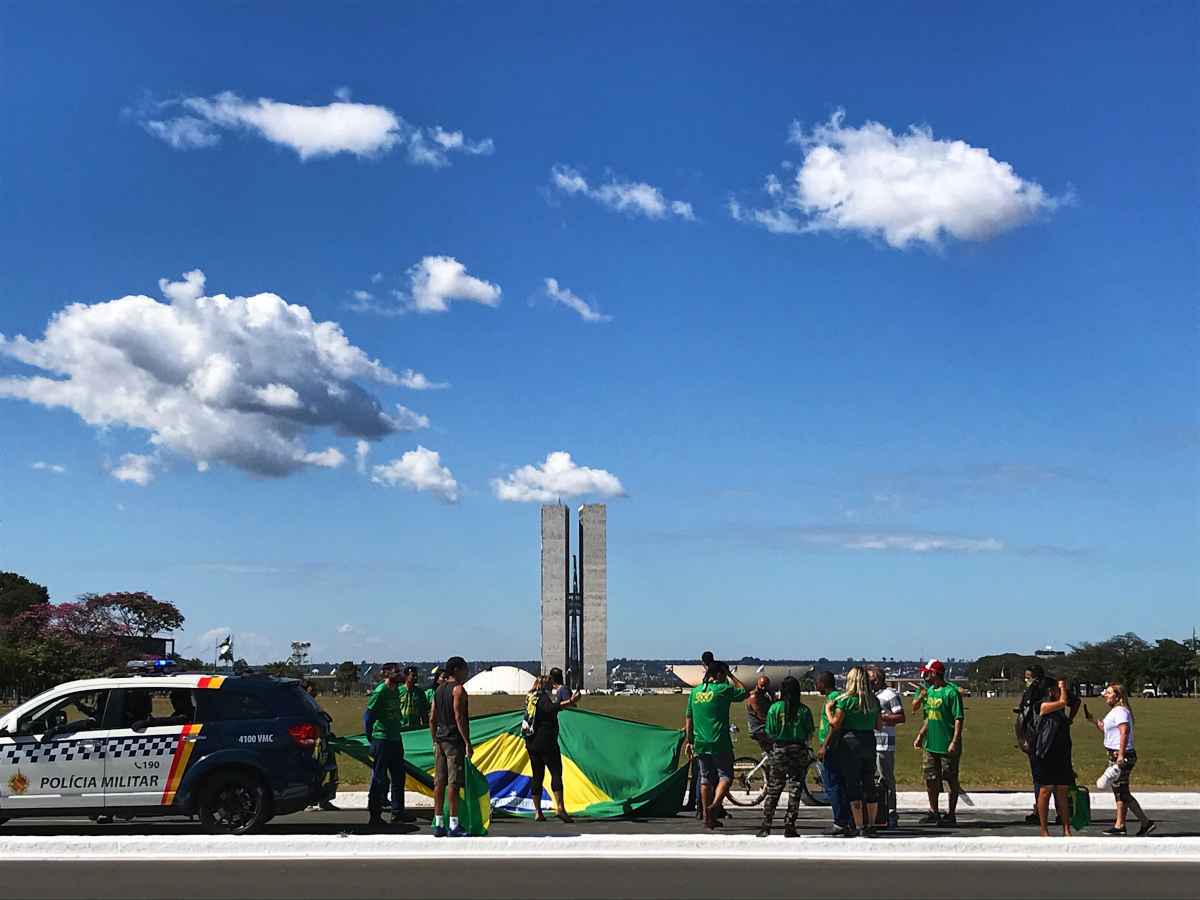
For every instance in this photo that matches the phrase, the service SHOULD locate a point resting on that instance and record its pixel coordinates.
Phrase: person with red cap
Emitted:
(940, 738)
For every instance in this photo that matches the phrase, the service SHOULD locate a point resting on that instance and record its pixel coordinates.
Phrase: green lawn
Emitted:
(1168, 733)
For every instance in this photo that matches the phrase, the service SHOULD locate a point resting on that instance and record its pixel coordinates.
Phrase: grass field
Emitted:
(1167, 737)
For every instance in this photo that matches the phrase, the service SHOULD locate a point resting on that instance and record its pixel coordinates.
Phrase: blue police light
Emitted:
(150, 665)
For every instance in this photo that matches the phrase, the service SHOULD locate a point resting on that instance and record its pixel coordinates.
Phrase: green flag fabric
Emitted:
(611, 767)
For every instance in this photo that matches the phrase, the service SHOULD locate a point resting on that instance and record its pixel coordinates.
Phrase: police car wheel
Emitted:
(233, 803)
(3, 819)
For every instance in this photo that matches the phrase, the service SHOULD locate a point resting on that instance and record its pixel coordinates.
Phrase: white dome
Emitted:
(500, 680)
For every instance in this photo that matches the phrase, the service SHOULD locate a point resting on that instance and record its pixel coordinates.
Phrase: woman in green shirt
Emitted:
(853, 719)
(789, 725)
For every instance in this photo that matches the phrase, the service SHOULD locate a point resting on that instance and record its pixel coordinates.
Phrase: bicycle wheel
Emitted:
(749, 782)
(812, 791)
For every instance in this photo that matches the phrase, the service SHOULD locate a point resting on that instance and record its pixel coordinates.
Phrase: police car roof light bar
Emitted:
(150, 666)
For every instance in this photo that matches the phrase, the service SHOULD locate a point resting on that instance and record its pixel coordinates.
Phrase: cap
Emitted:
(934, 665)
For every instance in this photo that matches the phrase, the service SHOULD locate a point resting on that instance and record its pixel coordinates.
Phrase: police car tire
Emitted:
(222, 781)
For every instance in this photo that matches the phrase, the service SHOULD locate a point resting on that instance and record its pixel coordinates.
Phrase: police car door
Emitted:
(55, 758)
(155, 734)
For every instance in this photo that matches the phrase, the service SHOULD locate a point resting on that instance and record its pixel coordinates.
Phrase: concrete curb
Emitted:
(630, 847)
(909, 801)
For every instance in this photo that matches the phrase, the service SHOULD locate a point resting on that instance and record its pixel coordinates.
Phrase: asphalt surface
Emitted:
(720, 878)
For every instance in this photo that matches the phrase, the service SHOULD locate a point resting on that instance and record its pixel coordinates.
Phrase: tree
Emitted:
(18, 594)
(282, 669)
(346, 677)
(135, 614)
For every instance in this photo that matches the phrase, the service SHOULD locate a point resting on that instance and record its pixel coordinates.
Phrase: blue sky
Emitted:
(849, 388)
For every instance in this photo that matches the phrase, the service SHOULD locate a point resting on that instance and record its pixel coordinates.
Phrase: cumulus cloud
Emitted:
(558, 477)
(361, 451)
(633, 197)
(346, 628)
(908, 188)
(135, 468)
(53, 468)
(238, 380)
(437, 280)
(360, 129)
(573, 301)
(418, 470)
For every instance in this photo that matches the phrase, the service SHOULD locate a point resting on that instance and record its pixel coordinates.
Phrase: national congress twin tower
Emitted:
(575, 596)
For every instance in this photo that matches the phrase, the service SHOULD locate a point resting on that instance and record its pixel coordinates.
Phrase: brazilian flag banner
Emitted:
(611, 767)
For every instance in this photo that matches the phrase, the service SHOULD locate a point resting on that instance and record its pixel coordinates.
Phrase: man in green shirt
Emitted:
(940, 738)
(708, 739)
(414, 702)
(388, 707)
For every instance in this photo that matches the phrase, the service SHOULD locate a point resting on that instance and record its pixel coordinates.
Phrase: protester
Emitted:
(853, 719)
(1052, 769)
(788, 726)
(415, 701)
(542, 706)
(940, 738)
(831, 777)
(891, 714)
(1025, 727)
(707, 734)
(384, 720)
(757, 705)
(1117, 728)
(311, 690)
(450, 729)
(436, 676)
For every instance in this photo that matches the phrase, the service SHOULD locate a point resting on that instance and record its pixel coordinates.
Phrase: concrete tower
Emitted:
(574, 605)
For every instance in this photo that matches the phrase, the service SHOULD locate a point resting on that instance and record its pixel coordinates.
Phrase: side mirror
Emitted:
(140, 725)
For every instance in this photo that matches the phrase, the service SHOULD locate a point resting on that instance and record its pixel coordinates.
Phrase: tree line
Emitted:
(43, 643)
(1171, 667)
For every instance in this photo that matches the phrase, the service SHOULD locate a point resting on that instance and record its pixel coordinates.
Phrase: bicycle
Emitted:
(749, 785)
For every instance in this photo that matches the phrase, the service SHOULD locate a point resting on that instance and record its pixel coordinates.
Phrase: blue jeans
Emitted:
(831, 779)
(387, 772)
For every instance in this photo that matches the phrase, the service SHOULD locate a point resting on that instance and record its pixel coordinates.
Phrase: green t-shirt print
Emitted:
(798, 731)
(942, 706)
(824, 729)
(853, 717)
(385, 702)
(708, 708)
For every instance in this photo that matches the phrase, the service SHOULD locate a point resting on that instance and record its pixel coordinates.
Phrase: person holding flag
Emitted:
(384, 722)
(449, 726)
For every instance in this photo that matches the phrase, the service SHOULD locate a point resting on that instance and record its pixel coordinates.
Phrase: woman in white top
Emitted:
(1117, 728)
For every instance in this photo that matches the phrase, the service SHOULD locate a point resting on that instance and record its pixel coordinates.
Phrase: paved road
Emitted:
(813, 821)
(582, 879)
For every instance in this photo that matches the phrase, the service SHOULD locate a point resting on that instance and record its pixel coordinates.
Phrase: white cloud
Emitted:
(906, 188)
(436, 280)
(571, 300)
(239, 380)
(347, 628)
(558, 477)
(360, 129)
(54, 468)
(902, 541)
(419, 470)
(361, 450)
(364, 296)
(135, 468)
(376, 278)
(633, 197)
(415, 381)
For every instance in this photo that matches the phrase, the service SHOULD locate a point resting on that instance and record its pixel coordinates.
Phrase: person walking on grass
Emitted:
(449, 726)
(940, 739)
(831, 776)
(706, 727)
(853, 719)
(1117, 728)
(891, 714)
(384, 721)
(788, 726)
(1052, 767)
(540, 727)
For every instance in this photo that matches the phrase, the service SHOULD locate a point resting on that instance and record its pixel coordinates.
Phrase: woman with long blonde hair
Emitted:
(853, 717)
(1117, 728)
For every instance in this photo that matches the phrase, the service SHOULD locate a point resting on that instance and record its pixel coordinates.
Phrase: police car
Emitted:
(233, 750)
